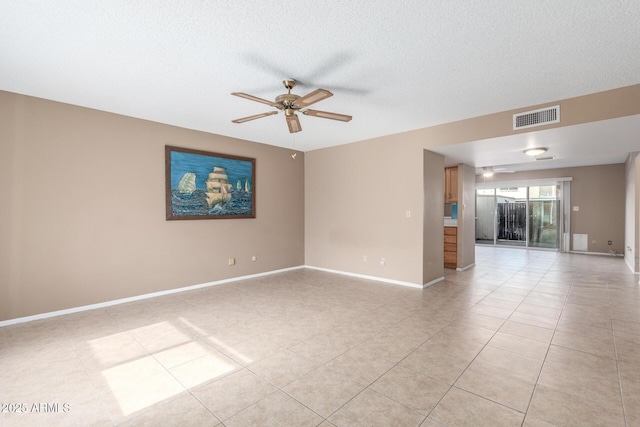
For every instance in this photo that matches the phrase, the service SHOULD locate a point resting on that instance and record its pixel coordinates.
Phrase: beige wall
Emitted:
(356, 202)
(433, 218)
(599, 193)
(632, 212)
(82, 218)
(82, 214)
(373, 182)
(636, 220)
(583, 109)
(466, 216)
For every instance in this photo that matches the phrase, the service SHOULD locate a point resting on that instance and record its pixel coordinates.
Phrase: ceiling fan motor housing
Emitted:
(287, 100)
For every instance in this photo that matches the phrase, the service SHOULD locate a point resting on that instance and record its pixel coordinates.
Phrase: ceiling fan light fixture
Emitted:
(487, 172)
(289, 103)
(536, 151)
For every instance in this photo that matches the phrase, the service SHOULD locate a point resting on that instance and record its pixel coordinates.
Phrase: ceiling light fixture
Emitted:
(535, 151)
(487, 171)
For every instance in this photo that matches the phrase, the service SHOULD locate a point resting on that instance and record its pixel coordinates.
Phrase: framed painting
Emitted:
(204, 185)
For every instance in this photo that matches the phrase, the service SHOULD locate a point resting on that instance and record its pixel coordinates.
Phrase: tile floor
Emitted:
(525, 338)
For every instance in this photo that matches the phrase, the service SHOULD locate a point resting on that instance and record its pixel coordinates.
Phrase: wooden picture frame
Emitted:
(205, 185)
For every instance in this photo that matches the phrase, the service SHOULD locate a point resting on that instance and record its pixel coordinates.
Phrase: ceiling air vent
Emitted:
(529, 119)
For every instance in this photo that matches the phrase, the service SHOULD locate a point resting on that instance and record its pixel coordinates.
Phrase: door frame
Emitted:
(563, 195)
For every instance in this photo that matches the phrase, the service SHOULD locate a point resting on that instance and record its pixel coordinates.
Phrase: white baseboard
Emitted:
(138, 297)
(467, 267)
(595, 253)
(205, 285)
(433, 282)
(631, 267)
(363, 276)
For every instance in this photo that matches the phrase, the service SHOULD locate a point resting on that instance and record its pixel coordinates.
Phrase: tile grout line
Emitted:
(535, 387)
(498, 330)
(483, 347)
(367, 386)
(281, 389)
(615, 350)
(455, 309)
(388, 370)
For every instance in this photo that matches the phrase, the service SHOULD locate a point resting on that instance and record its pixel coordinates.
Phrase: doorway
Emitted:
(520, 216)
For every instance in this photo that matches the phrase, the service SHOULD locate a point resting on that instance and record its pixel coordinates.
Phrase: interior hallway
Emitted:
(529, 338)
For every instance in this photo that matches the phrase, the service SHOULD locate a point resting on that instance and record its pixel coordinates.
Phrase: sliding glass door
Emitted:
(518, 216)
(511, 216)
(485, 216)
(543, 217)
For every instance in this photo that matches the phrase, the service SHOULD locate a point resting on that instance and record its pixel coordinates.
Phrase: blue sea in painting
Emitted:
(241, 202)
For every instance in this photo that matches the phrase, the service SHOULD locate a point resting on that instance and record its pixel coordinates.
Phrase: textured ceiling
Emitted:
(595, 143)
(394, 66)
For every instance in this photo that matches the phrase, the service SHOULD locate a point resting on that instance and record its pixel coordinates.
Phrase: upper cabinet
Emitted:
(451, 185)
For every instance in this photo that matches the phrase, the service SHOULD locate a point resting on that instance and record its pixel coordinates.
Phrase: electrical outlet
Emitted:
(232, 261)
(382, 262)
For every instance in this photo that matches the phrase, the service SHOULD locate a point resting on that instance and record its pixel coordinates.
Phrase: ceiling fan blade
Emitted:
(327, 115)
(257, 116)
(254, 98)
(313, 97)
(348, 89)
(293, 123)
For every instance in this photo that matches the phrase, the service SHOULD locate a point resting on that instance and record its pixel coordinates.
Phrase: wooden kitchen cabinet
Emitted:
(451, 185)
(450, 247)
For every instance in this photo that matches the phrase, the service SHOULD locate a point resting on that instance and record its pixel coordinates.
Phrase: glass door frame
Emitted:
(562, 198)
(554, 224)
(516, 243)
(494, 219)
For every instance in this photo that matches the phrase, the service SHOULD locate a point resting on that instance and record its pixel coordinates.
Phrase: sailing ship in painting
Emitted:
(218, 187)
(246, 185)
(187, 184)
(219, 197)
(202, 185)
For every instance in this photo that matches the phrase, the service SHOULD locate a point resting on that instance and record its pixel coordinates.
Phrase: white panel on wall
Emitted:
(581, 242)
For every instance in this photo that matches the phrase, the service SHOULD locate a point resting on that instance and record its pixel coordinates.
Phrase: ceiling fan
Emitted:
(488, 171)
(290, 104)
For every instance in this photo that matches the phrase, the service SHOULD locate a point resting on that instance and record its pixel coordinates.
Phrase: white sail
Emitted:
(187, 184)
(218, 187)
